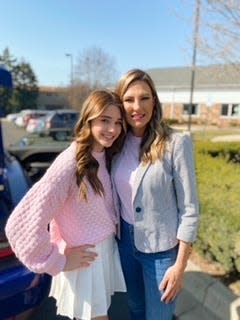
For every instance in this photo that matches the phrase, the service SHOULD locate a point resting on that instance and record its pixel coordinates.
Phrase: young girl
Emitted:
(65, 224)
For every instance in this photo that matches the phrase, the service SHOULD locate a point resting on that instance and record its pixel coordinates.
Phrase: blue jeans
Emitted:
(143, 273)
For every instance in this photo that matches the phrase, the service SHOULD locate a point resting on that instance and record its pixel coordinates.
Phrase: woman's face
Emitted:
(138, 103)
(106, 128)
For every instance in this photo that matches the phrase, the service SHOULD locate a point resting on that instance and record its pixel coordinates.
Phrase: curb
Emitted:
(211, 294)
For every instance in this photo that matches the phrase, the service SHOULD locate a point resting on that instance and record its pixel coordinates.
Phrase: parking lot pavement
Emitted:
(202, 298)
(118, 310)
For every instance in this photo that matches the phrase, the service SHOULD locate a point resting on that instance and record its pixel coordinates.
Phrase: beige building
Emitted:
(216, 94)
(50, 98)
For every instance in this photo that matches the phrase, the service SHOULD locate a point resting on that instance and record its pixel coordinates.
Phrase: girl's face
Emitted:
(106, 128)
(138, 103)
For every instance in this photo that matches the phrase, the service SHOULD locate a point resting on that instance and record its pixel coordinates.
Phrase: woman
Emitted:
(154, 180)
(74, 197)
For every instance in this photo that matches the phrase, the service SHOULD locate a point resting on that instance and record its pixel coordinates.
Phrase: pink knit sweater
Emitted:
(54, 200)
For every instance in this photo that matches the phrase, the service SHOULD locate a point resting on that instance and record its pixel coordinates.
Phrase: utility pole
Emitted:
(194, 56)
(69, 55)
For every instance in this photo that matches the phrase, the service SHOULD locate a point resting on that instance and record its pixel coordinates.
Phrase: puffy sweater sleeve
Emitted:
(27, 226)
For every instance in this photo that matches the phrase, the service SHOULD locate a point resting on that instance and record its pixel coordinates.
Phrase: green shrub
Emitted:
(219, 194)
(230, 151)
(171, 121)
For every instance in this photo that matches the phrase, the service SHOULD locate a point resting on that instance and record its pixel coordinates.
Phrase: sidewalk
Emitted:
(206, 298)
(233, 137)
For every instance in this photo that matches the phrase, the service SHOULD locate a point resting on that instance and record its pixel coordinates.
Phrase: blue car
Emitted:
(20, 289)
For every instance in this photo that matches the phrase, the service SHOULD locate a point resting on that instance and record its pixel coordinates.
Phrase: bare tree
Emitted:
(220, 31)
(95, 68)
(79, 92)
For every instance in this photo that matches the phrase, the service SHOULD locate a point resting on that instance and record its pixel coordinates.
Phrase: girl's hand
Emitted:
(79, 257)
(171, 283)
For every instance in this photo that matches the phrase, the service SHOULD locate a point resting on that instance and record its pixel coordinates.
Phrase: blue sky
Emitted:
(136, 33)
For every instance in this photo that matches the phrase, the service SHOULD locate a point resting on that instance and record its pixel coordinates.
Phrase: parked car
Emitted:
(11, 117)
(59, 124)
(36, 125)
(36, 155)
(20, 289)
(24, 116)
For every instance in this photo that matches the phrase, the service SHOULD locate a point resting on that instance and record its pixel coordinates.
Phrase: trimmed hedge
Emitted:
(218, 178)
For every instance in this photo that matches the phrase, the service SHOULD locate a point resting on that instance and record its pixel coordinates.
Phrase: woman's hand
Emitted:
(171, 284)
(79, 257)
(173, 279)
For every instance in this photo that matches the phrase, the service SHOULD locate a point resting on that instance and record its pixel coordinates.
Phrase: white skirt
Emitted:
(85, 293)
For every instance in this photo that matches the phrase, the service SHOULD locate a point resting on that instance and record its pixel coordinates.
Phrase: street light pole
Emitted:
(69, 55)
(195, 43)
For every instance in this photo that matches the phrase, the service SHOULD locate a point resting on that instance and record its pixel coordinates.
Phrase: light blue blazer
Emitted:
(164, 198)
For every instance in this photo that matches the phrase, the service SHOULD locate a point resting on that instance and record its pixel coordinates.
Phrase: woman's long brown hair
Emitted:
(87, 165)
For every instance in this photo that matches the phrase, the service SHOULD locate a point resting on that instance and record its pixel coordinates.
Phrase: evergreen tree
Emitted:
(5, 94)
(25, 93)
(26, 89)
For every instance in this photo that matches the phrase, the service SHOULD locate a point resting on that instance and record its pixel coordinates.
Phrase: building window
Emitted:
(194, 109)
(224, 111)
(236, 110)
(230, 110)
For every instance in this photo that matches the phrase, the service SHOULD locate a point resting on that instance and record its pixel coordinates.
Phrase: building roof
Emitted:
(222, 76)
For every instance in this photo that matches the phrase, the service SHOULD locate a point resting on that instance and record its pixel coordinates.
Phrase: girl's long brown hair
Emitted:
(157, 132)
(87, 165)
